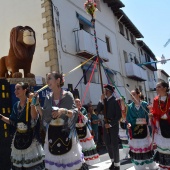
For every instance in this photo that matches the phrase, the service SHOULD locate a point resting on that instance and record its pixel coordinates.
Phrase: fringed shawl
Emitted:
(67, 102)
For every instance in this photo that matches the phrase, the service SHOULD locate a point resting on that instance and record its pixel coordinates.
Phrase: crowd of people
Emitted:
(74, 133)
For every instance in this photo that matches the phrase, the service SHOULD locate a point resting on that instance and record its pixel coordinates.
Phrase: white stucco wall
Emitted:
(28, 12)
(105, 26)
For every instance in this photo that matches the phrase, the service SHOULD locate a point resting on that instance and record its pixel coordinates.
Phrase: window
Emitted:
(87, 74)
(84, 27)
(84, 23)
(148, 75)
(108, 44)
(81, 26)
(146, 58)
(110, 77)
(140, 88)
(127, 34)
(141, 51)
(121, 28)
(132, 38)
(125, 56)
(136, 60)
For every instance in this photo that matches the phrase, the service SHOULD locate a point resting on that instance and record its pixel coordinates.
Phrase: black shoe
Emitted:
(117, 168)
(112, 166)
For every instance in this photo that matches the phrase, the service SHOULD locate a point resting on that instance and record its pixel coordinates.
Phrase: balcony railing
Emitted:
(150, 66)
(135, 72)
(85, 45)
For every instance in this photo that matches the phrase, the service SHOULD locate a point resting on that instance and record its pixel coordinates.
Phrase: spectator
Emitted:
(100, 128)
(94, 122)
(86, 139)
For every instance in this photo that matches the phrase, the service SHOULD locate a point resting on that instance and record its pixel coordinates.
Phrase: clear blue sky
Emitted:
(152, 18)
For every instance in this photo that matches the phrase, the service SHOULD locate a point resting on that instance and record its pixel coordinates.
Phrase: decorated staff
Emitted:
(91, 8)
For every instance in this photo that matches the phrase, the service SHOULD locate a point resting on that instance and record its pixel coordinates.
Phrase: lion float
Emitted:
(22, 47)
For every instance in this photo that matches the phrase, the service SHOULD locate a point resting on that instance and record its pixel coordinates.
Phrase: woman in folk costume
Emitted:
(86, 139)
(160, 118)
(59, 115)
(27, 152)
(140, 139)
(123, 129)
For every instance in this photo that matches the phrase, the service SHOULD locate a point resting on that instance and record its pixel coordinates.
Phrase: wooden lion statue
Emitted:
(22, 47)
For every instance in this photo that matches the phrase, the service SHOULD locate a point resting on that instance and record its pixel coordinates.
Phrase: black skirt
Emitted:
(163, 159)
(141, 156)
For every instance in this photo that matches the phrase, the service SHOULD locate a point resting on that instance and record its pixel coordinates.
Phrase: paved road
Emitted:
(105, 161)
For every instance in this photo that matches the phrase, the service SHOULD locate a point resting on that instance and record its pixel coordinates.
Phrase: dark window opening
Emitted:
(108, 44)
(121, 29)
(127, 34)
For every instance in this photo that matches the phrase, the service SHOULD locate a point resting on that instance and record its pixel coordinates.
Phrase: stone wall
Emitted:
(50, 36)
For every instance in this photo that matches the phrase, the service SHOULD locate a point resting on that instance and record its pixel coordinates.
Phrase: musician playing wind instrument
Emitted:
(59, 115)
(140, 142)
(27, 153)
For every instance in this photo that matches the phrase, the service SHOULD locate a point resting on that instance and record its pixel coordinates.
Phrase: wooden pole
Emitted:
(100, 74)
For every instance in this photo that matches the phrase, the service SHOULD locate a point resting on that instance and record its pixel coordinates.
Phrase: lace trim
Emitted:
(143, 162)
(86, 139)
(166, 149)
(140, 149)
(28, 161)
(92, 148)
(65, 165)
(92, 158)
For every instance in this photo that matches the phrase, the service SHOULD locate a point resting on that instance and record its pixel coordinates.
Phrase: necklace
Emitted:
(166, 105)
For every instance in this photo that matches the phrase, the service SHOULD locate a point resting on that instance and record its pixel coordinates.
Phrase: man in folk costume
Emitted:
(111, 128)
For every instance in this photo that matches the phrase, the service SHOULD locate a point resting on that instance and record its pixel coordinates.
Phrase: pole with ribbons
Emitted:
(91, 8)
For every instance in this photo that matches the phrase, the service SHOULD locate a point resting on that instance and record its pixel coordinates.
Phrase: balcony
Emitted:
(85, 45)
(149, 66)
(135, 72)
(152, 85)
